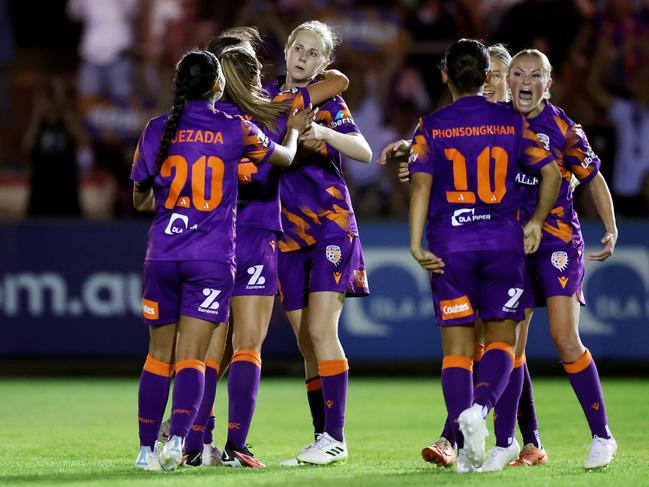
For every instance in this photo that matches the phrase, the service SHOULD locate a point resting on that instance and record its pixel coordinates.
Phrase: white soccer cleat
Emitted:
(147, 460)
(463, 464)
(324, 451)
(501, 456)
(474, 429)
(212, 455)
(292, 462)
(171, 455)
(602, 451)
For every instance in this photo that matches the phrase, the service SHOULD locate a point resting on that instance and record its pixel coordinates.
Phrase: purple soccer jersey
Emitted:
(568, 144)
(258, 201)
(474, 149)
(196, 188)
(315, 199)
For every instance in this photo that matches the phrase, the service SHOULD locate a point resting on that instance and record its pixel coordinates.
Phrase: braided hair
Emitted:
(197, 74)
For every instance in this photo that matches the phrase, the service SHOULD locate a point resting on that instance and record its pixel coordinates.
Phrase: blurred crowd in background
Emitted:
(79, 79)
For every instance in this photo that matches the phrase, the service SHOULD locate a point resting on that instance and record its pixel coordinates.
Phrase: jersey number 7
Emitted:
(199, 170)
(486, 193)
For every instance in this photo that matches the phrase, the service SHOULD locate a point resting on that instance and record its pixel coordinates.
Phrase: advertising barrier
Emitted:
(72, 289)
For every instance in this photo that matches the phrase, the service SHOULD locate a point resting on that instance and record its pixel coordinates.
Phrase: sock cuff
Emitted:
(581, 364)
(213, 364)
(190, 364)
(246, 355)
(327, 368)
(158, 367)
(458, 362)
(313, 384)
(502, 346)
(478, 351)
(519, 362)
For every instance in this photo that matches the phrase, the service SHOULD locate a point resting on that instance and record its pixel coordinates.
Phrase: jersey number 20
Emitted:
(486, 193)
(199, 170)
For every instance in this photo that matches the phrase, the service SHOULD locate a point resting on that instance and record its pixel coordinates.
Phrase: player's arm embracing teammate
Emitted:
(188, 160)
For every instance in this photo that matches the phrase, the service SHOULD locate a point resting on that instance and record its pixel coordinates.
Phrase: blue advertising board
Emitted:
(72, 289)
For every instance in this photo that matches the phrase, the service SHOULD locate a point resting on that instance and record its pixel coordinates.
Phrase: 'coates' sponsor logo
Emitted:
(456, 308)
(150, 309)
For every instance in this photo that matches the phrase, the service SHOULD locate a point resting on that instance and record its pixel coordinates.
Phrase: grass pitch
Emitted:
(84, 432)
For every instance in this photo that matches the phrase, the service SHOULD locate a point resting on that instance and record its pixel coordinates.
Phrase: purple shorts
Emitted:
(554, 272)
(488, 283)
(256, 262)
(333, 264)
(199, 289)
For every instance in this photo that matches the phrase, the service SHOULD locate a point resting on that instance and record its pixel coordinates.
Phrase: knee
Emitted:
(568, 346)
(249, 341)
(322, 336)
(305, 344)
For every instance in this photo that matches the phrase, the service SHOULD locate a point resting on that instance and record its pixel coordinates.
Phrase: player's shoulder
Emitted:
(558, 113)
(274, 87)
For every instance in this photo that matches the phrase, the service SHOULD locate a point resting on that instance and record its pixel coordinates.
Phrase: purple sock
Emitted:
(243, 384)
(187, 396)
(457, 386)
(584, 379)
(447, 432)
(198, 432)
(507, 407)
(334, 375)
(152, 399)
(478, 352)
(211, 422)
(316, 404)
(527, 422)
(495, 367)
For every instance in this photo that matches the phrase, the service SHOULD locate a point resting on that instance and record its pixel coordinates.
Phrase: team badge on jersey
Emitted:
(545, 140)
(333, 254)
(559, 260)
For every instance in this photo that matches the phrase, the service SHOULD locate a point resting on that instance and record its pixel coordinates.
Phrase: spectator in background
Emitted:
(106, 43)
(6, 56)
(366, 180)
(630, 117)
(547, 25)
(52, 142)
(433, 26)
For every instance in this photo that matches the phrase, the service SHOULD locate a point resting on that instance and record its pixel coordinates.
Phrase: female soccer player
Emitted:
(320, 260)
(258, 228)
(184, 170)
(476, 255)
(495, 89)
(557, 268)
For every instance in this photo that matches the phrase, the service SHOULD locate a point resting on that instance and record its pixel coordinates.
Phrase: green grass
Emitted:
(84, 432)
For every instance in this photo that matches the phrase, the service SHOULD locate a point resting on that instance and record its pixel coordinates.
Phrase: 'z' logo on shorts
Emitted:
(515, 294)
(257, 279)
(210, 301)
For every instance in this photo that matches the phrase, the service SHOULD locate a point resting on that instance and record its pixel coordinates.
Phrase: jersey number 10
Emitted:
(199, 170)
(486, 193)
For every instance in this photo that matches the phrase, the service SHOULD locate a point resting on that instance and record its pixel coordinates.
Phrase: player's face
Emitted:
(495, 88)
(528, 83)
(304, 58)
